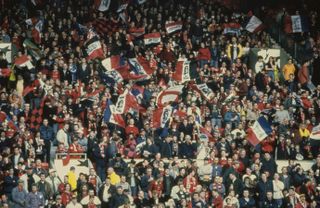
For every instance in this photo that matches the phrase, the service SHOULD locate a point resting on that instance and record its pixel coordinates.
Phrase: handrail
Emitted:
(60, 155)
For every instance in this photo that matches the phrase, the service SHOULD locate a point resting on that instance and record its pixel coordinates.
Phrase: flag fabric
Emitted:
(182, 73)
(232, 28)
(120, 73)
(65, 159)
(136, 32)
(5, 72)
(152, 38)
(4, 119)
(102, 5)
(254, 25)
(32, 49)
(204, 90)
(205, 133)
(111, 117)
(112, 62)
(126, 101)
(315, 136)
(161, 116)
(141, 66)
(6, 50)
(169, 95)
(259, 131)
(104, 26)
(31, 21)
(23, 61)
(295, 24)
(173, 27)
(36, 32)
(94, 49)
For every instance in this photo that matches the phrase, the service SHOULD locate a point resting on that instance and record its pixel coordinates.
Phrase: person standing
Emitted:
(47, 134)
(35, 198)
(19, 195)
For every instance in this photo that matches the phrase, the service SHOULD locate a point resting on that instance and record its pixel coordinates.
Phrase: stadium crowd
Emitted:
(58, 106)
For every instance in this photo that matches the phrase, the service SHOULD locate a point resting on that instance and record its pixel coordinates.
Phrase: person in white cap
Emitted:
(53, 181)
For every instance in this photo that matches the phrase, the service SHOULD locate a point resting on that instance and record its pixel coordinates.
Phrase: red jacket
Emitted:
(204, 54)
(303, 75)
(217, 202)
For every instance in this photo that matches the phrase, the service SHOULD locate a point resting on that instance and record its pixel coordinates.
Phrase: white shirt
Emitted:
(259, 66)
(71, 205)
(278, 187)
(62, 137)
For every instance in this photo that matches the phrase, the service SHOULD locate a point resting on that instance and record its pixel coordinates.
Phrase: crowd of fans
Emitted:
(139, 166)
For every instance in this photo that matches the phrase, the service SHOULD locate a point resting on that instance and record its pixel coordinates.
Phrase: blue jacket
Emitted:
(19, 197)
(247, 204)
(46, 133)
(34, 200)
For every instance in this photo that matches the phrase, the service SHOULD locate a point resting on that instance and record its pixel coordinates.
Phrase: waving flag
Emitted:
(32, 49)
(36, 32)
(111, 117)
(5, 120)
(141, 66)
(6, 50)
(169, 95)
(161, 116)
(94, 49)
(205, 133)
(232, 28)
(31, 21)
(126, 101)
(296, 24)
(112, 62)
(136, 32)
(173, 27)
(259, 131)
(182, 73)
(315, 136)
(23, 61)
(152, 38)
(254, 24)
(102, 5)
(204, 90)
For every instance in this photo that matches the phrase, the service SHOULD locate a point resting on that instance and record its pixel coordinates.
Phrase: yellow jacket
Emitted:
(230, 51)
(287, 70)
(304, 132)
(114, 178)
(72, 180)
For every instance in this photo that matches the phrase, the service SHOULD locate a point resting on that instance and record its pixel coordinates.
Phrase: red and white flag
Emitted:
(232, 28)
(141, 66)
(152, 38)
(102, 5)
(31, 21)
(161, 116)
(169, 95)
(259, 131)
(122, 73)
(173, 27)
(136, 32)
(112, 62)
(254, 25)
(126, 101)
(182, 73)
(36, 32)
(204, 90)
(94, 49)
(23, 61)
